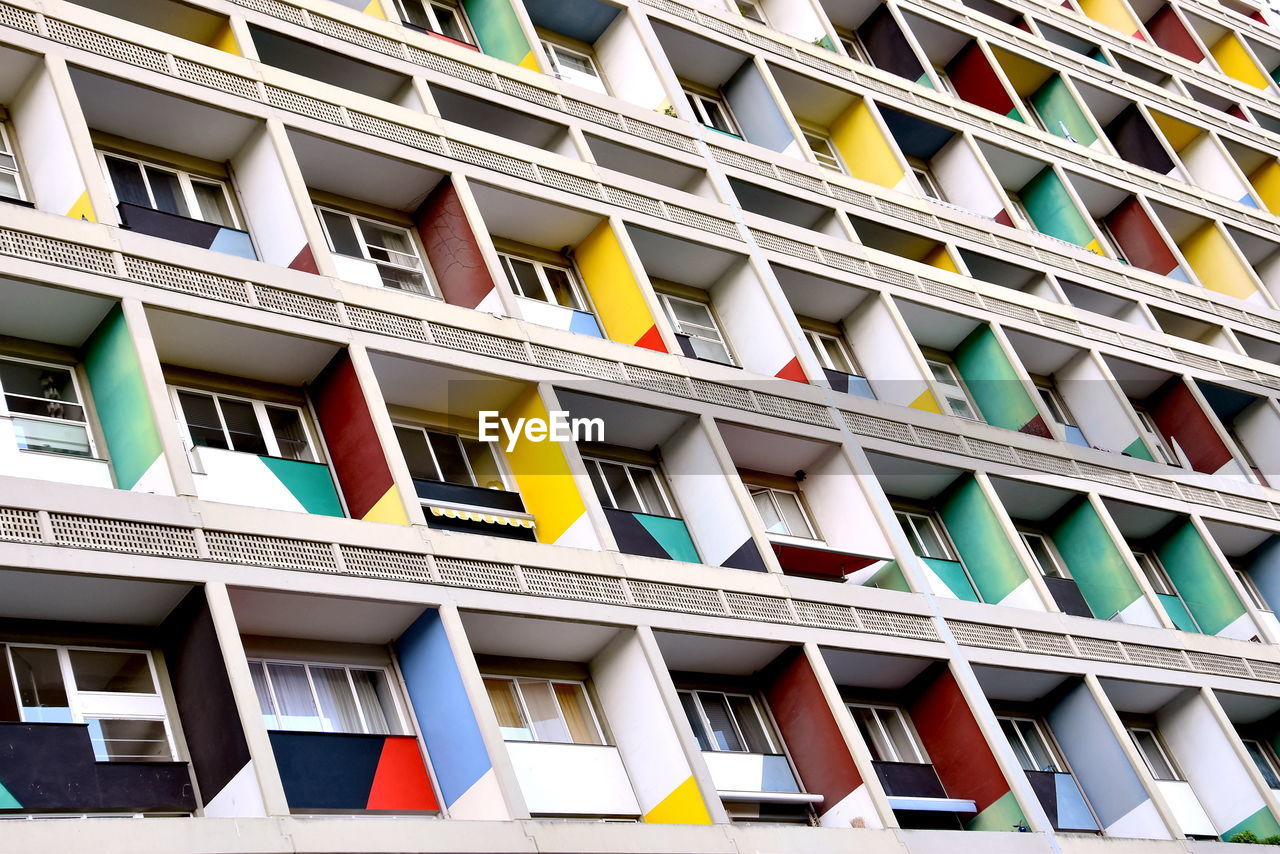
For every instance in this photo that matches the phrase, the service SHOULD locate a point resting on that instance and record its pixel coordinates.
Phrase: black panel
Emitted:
(8, 699)
(180, 229)
(202, 693)
(1067, 595)
(888, 47)
(1045, 785)
(633, 538)
(325, 770)
(478, 496)
(746, 557)
(1136, 142)
(910, 779)
(467, 526)
(51, 768)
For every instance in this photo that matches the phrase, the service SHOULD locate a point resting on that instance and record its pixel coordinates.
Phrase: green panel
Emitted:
(672, 535)
(1262, 823)
(8, 801)
(310, 483)
(498, 30)
(952, 575)
(120, 398)
(1056, 106)
(1138, 450)
(1095, 561)
(1053, 211)
(1178, 613)
(890, 577)
(982, 543)
(925, 81)
(1004, 814)
(1201, 582)
(992, 381)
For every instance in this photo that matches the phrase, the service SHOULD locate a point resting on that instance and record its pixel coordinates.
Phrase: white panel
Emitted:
(58, 468)
(232, 477)
(1024, 596)
(1138, 613)
(627, 66)
(573, 779)
(703, 494)
(270, 213)
(1258, 426)
(852, 807)
(482, 802)
(1141, 822)
(795, 18)
(750, 772)
(963, 180)
(1192, 820)
(750, 323)
(240, 798)
(1095, 404)
(545, 314)
(580, 535)
(1241, 628)
(840, 508)
(887, 357)
(1210, 168)
(46, 148)
(357, 270)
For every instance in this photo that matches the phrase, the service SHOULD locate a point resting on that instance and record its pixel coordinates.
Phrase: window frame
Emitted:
(1151, 432)
(185, 178)
(754, 5)
(1165, 756)
(551, 47)
(401, 726)
(814, 535)
(260, 414)
(5, 412)
(1054, 402)
(763, 719)
(576, 288)
(938, 527)
(830, 157)
(928, 182)
(514, 681)
(698, 99)
(423, 269)
(658, 477)
(679, 325)
(9, 148)
(460, 438)
(1251, 589)
(934, 361)
(1042, 732)
(429, 12)
(854, 47)
(1268, 755)
(1059, 568)
(904, 719)
(824, 358)
(1153, 570)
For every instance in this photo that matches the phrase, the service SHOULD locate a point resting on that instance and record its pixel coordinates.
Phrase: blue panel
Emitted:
(1073, 812)
(441, 706)
(1247, 199)
(777, 776)
(1179, 274)
(584, 323)
(1264, 569)
(325, 770)
(1075, 436)
(234, 242)
(584, 20)
(916, 137)
(1096, 757)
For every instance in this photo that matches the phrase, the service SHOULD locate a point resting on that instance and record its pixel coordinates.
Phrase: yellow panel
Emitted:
(1266, 181)
(1177, 133)
(927, 402)
(1215, 263)
(543, 475)
(225, 40)
(612, 286)
(682, 806)
(83, 208)
(1025, 75)
(530, 62)
(1235, 62)
(864, 148)
(389, 509)
(1112, 13)
(375, 9)
(939, 257)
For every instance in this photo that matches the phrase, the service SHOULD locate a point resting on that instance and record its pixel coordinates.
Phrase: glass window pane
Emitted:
(1011, 733)
(904, 743)
(836, 355)
(602, 491)
(484, 466)
(374, 694)
(242, 425)
(502, 695)
(50, 390)
(695, 719)
(769, 516)
(711, 350)
(451, 24)
(1150, 749)
(167, 191)
(126, 180)
(723, 733)
(750, 724)
(959, 406)
(52, 437)
(342, 234)
(561, 285)
(687, 311)
(414, 13)
(453, 463)
(623, 495)
(943, 374)
(260, 687)
(129, 740)
(338, 709)
(294, 703)
(881, 748)
(201, 414)
(646, 482)
(576, 709)
(291, 436)
(1040, 753)
(212, 199)
(931, 539)
(10, 188)
(544, 712)
(524, 279)
(413, 444)
(793, 514)
(41, 692)
(116, 672)
(1258, 754)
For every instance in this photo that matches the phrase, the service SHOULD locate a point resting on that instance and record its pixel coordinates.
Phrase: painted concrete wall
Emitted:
(759, 117)
(994, 565)
(840, 508)
(750, 323)
(1089, 394)
(615, 290)
(453, 251)
(627, 66)
(894, 374)
(866, 151)
(889, 48)
(1217, 265)
(977, 81)
(1114, 14)
(1186, 425)
(270, 213)
(1266, 184)
(1168, 31)
(1141, 241)
(1054, 213)
(1061, 114)
(271, 483)
(1095, 562)
(499, 33)
(963, 180)
(48, 153)
(1135, 141)
(1202, 583)
(1234, 60)
(995, 385)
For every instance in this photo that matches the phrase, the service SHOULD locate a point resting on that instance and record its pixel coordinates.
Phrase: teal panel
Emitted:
(1178, 613)
(498, 31)
(1200, 581)
(310, 483)
(672, 535)
(1094, 561)
(1016, 115)
(992, 381)
(1138, 450)
(890, 577)
(983, 546)
(952, 574)
(1052, 210)
(1262, 823)
(8, 801)
(120, 398)
(1059, 110)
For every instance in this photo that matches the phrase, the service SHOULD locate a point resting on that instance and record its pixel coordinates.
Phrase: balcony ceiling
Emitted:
(529, 637)
(15, 68)
(998, 272)
(916, 136)
(87, 599)
(1040, 355)
(716, 655)
(1140, 698)
(1137, 381)
(1247, 709)
(682, 261)
(626, 424)
(1256, 249)
(1031, 502)
(270, 613)
(938, 329)
(1137, 522)
(907, 478)
(358, 174)
(1012, 170)
(1105, 105)
(1016, 686)
(698, 59)
(818, 297)
(1179, 223)
(855, 669)
(811, 102)
(49, 315)
(761, 450)
(179, 19)
(1236, 540)
(940, 43)
(441, 389)
(849, 14)
(1099, 198)
(528, 220)
(308, 60)
(584, 20)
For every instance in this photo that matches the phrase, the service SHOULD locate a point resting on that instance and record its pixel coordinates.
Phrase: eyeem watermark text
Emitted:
(557, 427)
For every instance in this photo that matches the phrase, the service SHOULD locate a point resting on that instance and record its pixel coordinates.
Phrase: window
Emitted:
(1015, 202)
(945, 82)
(1154, 437)
(309, 697)
(955, 397)
(1109, 240)
(574, 66)
(727, 723)
(853, 45)
(391, 248)
(1058, 411)
(43, 403)
(697, 323)
(172, 191)
(1265, 761)
(537, 280)
(548, 710)
(926, 535)
(1249, 461)
(1030, 744)
(1251, 589)
(10, 175)
(713, 112)
(887, 733)
(833, 353)
(824, 151)
(928, 184)
(782, 512)
(630, 487)
(114, 691)
(449, 458)
(1153, 753)
(442, 18)
(1045, 554)
(752, 11)
(1155, 573)
(239, 424)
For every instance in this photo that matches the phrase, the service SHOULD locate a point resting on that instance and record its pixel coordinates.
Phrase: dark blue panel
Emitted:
(633, 538)
(916, 137)
(476, 496)
(326, 770)
(583, 20)
(746, 557)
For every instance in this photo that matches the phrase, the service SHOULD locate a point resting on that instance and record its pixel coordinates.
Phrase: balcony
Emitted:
(755, 777)
(1067, 596)
(182, 229)
(651, 536)
(955, 582)
(349, 772)
(457, 506)
(915, 786)
(235, 477)
(849, 383)
(1063, 801)
(572, 779)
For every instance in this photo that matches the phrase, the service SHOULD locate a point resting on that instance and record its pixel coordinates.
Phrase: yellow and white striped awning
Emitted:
(477, 516)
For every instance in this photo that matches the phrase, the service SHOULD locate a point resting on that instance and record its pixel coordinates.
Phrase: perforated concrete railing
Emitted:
(1002, 128)
(165, 63)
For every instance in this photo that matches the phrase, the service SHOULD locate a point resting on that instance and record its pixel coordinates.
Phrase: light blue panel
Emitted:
(758, 115)
(441, 706)
(777, 776)
(234, 242)
(1247, 199)
(1178, 613)
(1096, 756)
(1075, 436)
(584, 323)
(1179, 274)
(1073, 811)
(952, 575)
(1264, 569)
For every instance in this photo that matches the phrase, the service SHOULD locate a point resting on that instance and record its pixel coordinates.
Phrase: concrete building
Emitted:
(931, 501)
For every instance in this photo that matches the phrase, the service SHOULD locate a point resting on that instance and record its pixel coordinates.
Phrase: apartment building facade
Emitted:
(932, 354)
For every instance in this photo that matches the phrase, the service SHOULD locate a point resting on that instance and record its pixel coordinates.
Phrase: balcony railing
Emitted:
(1067, 596)
(755, 777)
(1187, 810)
(182, 229)
(1062, 800)
(651, 536)
(339, 772)
(272, 483)
(951, 574)
(818, 560)
(849, 383)
(560, 317)
(474, 509)
(572, 779)
(915, 786)
(1178, 612)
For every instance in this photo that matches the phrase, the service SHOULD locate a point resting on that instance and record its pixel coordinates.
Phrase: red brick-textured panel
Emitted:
(955, 744)
(1178, 415)
(354, 450)
(452, 248)
(977, 82)
(1137, 236)
(1168, 31)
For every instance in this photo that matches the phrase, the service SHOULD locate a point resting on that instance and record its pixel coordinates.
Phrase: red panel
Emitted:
(354, 450)
(810, 730)
(452, 249)
(652, 340)
(976, 81)
(1235, 112)
(1137, 236)
(1168, 31)
(305, 260)
(1178, 415)
(792, 371)
(1036, 427)
(799, 560)
(1004, 219)
(955, 744)
(401, 782)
